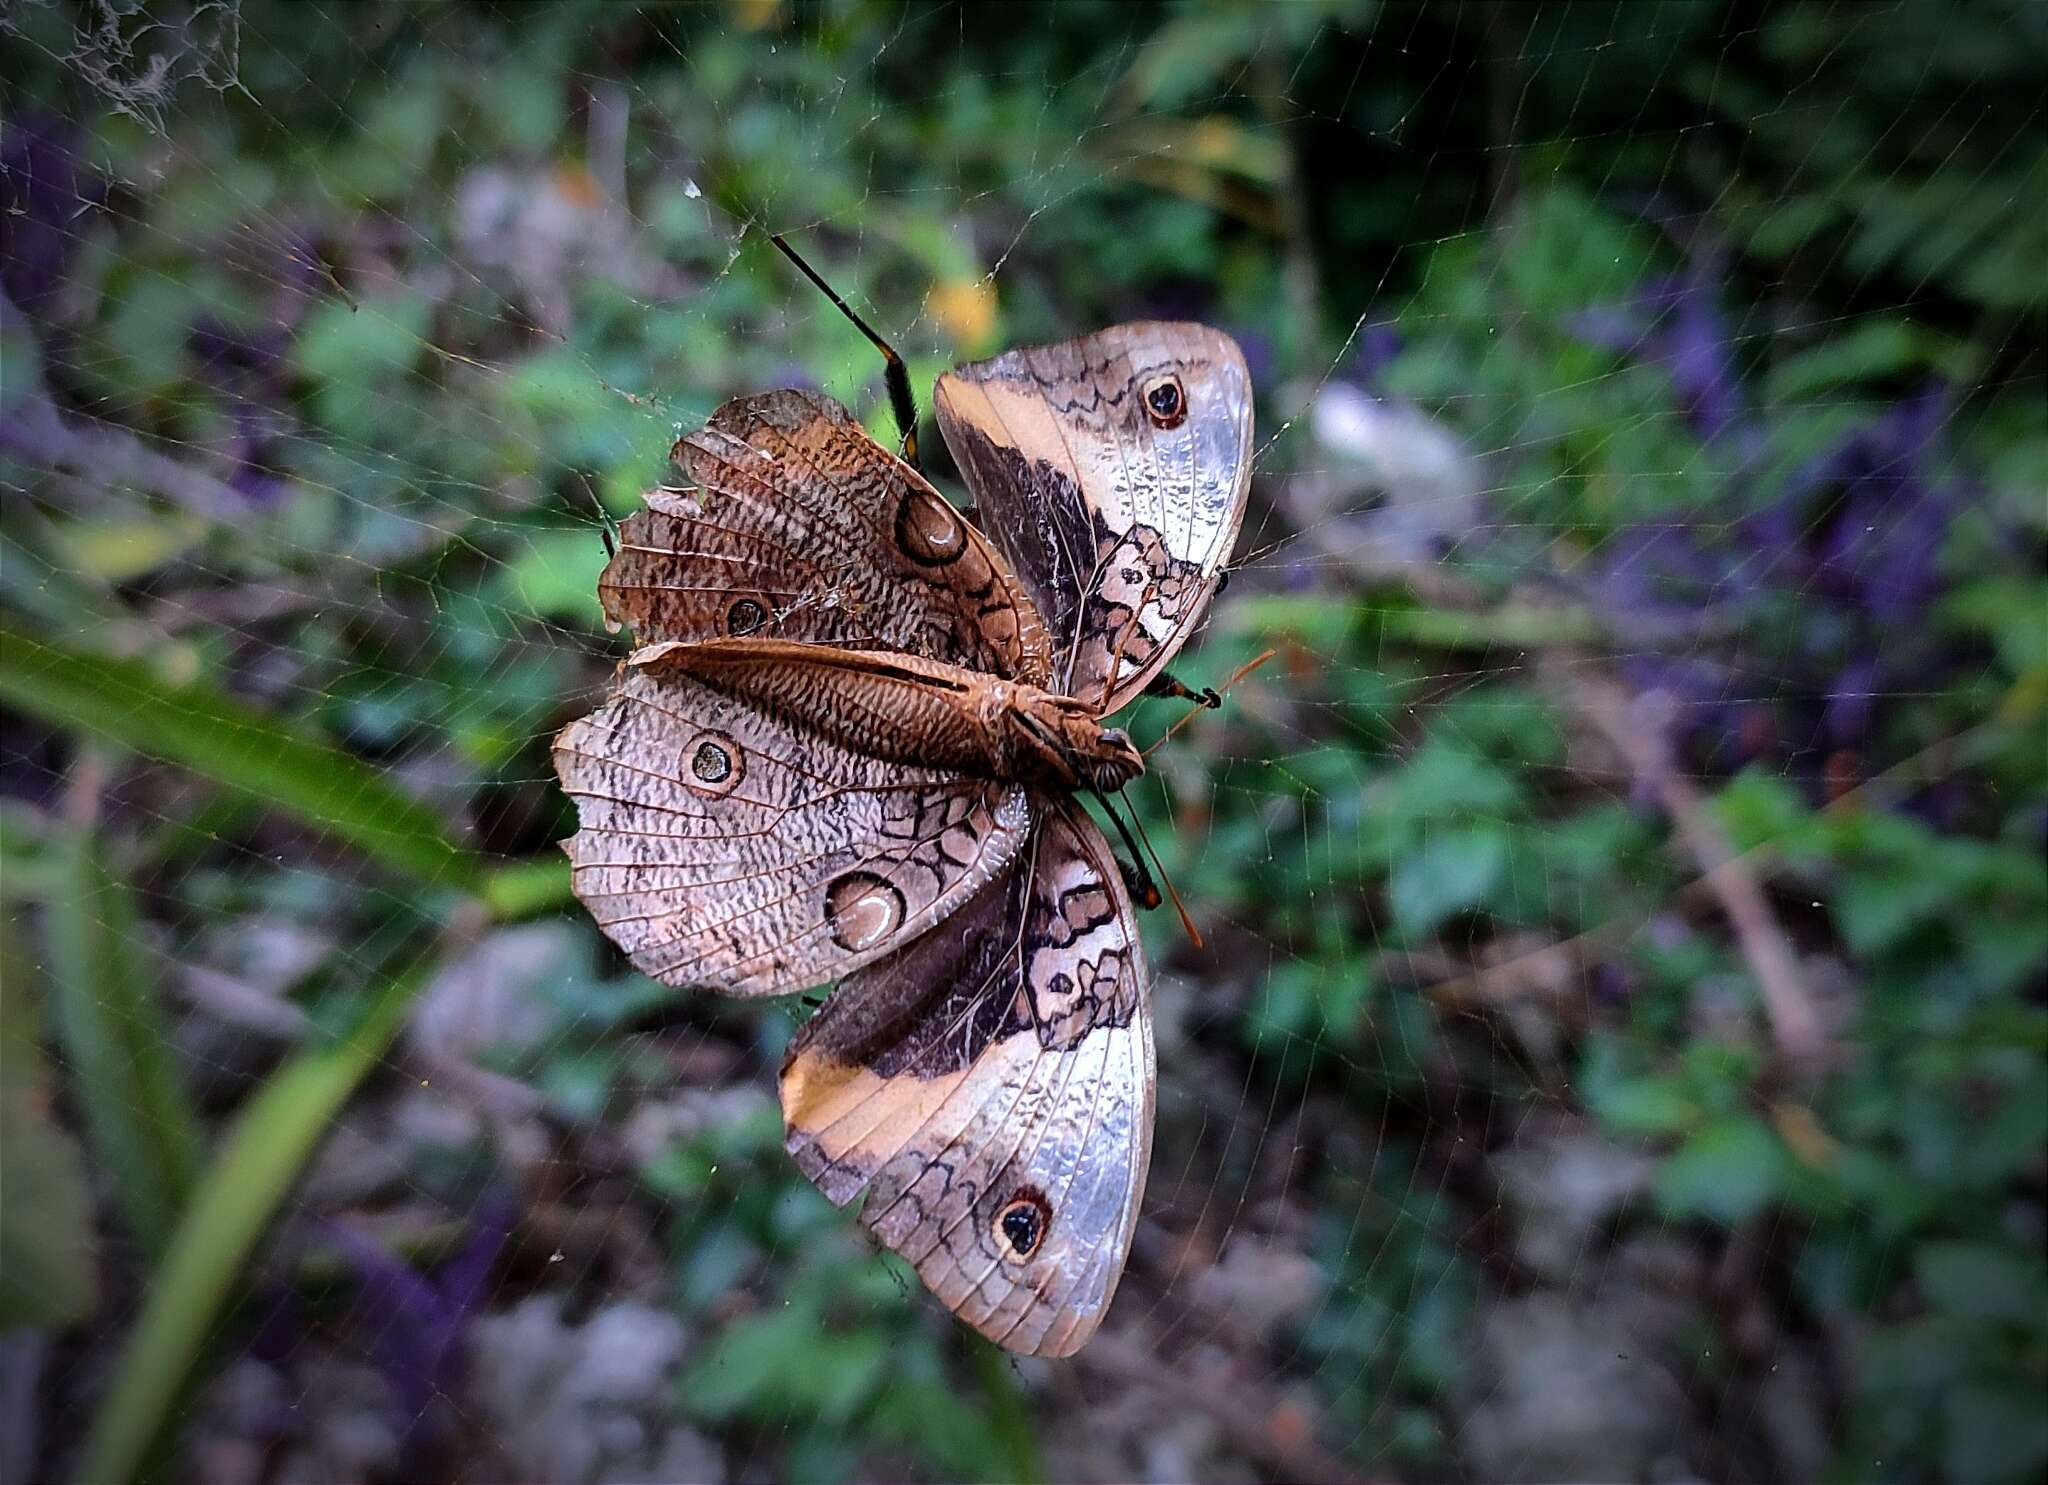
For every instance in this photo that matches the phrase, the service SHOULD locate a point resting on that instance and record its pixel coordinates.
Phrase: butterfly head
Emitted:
(1102, 758)
(1115, 761)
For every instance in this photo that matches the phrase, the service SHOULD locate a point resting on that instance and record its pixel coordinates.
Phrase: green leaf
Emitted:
(1444, 780)
(357, 352)
(126, 702)
(555, 577)
(140, 1120)
(363, 341)
(122, 548)
(1982, 1281)
(2009, 609)
(209, 1254)
(1906, 880)
(1644, 1106)
(1455, 870)
(1758, 808)
(141, 351)
(1515, 625)
(1995, 1431)
(1882, 346)
(752, 1367)
(1727, 1172)
(1319, 622)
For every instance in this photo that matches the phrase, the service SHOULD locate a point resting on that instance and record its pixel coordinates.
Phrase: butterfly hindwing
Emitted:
(989, 1086)
(1113, 471)
(724, 845)
(799, 526)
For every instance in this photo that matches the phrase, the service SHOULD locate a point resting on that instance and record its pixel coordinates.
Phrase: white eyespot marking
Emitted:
(862, 910)
(929, 530)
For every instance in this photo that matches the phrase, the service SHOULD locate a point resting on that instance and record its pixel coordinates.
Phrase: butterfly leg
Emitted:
(606, 526)
(1137, 880)
(1164, 684)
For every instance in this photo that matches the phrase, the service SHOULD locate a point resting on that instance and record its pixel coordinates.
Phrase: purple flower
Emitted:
(230, 355)
(1851, 703)
(1379, 345)
(48, 201)
(251, 372)
(1674, 323)
(418, 1321)
(1881, 545)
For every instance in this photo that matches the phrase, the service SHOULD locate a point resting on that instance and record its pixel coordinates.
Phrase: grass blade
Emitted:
(228, 1215)
(49, 1276)
(141, 1123)
(1015, 1442)
(524, 889)
(235, 745)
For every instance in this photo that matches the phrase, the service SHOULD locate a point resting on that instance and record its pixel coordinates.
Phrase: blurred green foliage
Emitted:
(307, 437)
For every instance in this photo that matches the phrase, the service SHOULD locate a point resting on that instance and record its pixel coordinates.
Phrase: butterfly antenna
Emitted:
(1222, 691)
(1116, 663)
(902, 404)
(1187, 923)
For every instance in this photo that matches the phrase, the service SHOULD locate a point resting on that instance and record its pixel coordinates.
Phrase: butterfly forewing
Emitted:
(1113, 471)
(989, 1087)
(799, 526)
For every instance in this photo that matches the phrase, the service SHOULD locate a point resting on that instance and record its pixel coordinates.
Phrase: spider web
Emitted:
(1616, 1052)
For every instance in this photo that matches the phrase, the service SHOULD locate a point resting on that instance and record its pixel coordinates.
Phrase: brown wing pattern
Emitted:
(723, 844)
(989, 1086)
(802, 527)
(1113, 470)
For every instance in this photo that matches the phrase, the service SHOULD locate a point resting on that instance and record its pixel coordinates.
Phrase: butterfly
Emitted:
(849, 747)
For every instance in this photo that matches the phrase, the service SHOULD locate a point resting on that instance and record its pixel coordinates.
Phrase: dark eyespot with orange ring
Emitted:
(1023, 1220)
(1166, 401)
(713, 764)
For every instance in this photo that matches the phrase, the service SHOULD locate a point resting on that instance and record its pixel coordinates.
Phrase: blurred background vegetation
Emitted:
(1619, 1053)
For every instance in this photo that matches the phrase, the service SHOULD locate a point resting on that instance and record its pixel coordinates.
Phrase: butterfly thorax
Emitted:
(915, 711)
(1058, 740)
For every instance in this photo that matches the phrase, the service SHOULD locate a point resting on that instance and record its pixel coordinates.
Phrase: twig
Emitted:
(106, 457)
(1452, 983)
(1542, 970)
(23, 1357)
(238, 607)
(240, 1004)
(1635, 726)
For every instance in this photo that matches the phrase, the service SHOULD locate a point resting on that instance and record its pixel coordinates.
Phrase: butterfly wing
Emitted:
(727, 846)
(990, 1087)
(801, 527)
(1113, 471)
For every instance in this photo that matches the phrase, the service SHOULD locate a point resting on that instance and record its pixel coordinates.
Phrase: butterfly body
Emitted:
(908, 709)
(848, 749)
